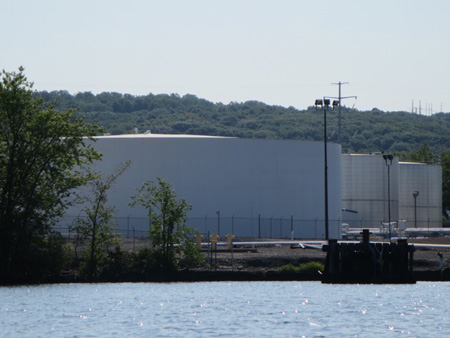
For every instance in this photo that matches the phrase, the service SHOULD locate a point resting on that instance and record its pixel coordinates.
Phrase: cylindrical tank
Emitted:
(367, 200)
(421, 194)
(253, 188)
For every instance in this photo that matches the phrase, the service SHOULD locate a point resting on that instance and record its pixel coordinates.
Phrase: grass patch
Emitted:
(304, 267)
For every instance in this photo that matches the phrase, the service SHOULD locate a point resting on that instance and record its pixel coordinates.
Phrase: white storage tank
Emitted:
(421, 194)
(253, 188)
(365, 194)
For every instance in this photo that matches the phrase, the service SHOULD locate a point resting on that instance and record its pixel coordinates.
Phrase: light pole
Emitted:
(388, 160)
(415, 194)
(325, 104)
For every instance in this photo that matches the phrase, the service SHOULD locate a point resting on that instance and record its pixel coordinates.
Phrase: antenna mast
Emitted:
(340, 97)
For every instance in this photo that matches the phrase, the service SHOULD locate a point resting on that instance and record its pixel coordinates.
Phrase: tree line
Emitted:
(361, 131)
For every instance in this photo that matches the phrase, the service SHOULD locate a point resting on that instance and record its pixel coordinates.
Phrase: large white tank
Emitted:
(421, 194)
(255, 188)
(365, 190)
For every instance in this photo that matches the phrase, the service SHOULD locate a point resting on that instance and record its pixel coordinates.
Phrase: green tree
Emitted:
(423, 154)
(168, 232)
(95, 230)
(39, 151)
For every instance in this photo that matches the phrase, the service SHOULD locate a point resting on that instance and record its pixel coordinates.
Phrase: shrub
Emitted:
(304, 267)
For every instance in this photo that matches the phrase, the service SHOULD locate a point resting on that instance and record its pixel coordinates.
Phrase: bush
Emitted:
(148, 260)
(41, 261)
(116, 264)
(304, 267)
(445, 222)
(191, 256)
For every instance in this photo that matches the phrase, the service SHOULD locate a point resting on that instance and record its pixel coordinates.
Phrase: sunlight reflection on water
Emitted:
(264, 309)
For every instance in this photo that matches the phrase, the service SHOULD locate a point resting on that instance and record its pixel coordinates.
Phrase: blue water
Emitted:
(238, 309)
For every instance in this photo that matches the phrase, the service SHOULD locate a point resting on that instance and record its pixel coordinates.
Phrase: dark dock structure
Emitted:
(369, 263)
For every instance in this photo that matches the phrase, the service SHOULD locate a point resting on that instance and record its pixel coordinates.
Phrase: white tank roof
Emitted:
(150, 135)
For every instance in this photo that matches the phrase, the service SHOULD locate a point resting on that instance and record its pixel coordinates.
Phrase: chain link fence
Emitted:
(244, 227)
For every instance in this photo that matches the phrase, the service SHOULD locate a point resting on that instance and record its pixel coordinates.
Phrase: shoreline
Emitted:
(259, 263)
(195, 276)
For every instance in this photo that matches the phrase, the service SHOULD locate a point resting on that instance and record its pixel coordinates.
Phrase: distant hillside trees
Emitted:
(362, 131)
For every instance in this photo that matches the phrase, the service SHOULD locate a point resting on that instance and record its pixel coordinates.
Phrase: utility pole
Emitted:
(340, 98)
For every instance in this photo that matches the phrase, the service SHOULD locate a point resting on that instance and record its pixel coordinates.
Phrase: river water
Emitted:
(222, 309)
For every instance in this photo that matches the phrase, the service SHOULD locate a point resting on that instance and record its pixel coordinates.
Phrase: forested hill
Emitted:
(362, 131)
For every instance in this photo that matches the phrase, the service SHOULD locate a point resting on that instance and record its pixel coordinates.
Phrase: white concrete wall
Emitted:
(280, 182)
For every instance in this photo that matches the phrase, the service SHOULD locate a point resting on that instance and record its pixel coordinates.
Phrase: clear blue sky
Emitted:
(284, 52)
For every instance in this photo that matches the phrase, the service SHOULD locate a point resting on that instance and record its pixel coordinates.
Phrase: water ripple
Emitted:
(285, 309)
